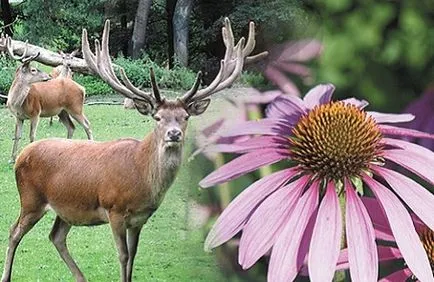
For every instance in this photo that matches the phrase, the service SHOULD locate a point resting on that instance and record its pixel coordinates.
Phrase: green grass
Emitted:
(168, 250)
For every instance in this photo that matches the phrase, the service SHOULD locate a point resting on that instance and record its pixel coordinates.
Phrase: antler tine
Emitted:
(101, 64)
(155, 89)
(231, 65)
(190, 93)
(21, 58)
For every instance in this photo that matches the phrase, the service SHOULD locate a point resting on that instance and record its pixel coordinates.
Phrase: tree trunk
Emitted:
(48, 57)
(7, 17)
(180, 27)
(170, 10)
(139, 32)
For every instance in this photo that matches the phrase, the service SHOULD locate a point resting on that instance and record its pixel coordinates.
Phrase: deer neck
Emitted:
(17, 94)
(164, 162)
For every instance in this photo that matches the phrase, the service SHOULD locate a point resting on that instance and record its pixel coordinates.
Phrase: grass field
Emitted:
(168, 249)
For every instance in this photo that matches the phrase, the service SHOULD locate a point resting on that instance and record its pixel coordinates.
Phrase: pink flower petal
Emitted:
(419, 199)
(417, 163)
(397, 131)
(400, 275)
(267, 222)
(390, 118)
(242, 165)
(320, 94)
(326, 238)
(362, 250)
(379, 219)
(300, 51)
(361, 104)
(294, 68)
(403, 230)
(254, 143)
(233, 218)
(386, 253)
(284, 261)
(266, 126)
(410, 147)
(286, 107)
(281, 80)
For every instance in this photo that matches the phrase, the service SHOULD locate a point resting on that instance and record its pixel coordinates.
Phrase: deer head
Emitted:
(25, 72)
(171, 116)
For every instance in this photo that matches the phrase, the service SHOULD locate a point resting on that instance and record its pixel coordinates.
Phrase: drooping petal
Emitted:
(284, 262)
(300, 51)
(362, 250)
(266, 126)
(398, 131)
(281, 80)
(287, 107)
(242, 165)
(419, 164)
(254, 143)
(419, 199)
(379, 219)
(294, 68)
(361, 104)
(326, 238)
(400, 275)
(390, 118)
(403, 230)
(233, 218)
(320, 94)
(267, 222)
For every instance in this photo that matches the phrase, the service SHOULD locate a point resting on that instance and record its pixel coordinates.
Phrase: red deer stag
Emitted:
(118, 182)
(33, 95)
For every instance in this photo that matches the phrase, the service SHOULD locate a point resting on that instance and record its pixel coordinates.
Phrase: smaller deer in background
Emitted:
(63, 70)
(33, 94)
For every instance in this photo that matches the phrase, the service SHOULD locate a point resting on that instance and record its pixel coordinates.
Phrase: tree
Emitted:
(140, 23)
(7, 17)
(181, 30)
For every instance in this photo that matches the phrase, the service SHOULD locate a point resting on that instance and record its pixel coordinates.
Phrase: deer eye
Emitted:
(33, 70)
(157, 118)
(187, 117)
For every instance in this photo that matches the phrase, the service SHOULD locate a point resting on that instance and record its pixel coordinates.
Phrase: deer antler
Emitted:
(100, 63)
(231, 65)
(6, 45)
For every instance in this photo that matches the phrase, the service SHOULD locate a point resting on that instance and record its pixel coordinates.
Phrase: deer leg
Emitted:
(132, 241)
(51, 121)
(18, 133)
(24, 223)
(67, 122)
(58, 237)
(82, 120)
(117, 224)
(33, 125)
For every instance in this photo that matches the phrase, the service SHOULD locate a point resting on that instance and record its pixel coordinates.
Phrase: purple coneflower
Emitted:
(330, 148)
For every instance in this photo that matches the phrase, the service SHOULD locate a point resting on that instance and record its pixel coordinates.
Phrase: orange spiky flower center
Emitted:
(335, 140)
(427, 238)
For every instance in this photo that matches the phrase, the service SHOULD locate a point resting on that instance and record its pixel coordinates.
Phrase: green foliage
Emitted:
(253, 79)
(178, 78)
(94, 85)
(57, 24)
(381, 51)
(7, 72)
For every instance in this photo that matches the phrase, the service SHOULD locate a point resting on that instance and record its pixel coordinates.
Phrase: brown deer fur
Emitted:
(30, 100)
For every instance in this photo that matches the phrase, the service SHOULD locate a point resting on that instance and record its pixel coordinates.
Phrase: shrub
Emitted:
(7, 72)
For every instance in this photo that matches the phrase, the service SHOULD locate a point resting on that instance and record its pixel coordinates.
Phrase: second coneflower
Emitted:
(330, 148)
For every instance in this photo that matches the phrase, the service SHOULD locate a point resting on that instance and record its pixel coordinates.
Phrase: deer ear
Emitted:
(198, 107)
(143, 106)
